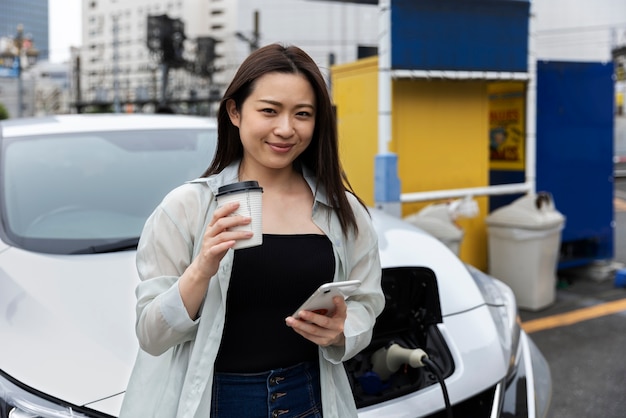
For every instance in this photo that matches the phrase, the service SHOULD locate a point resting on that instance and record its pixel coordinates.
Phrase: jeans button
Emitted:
(274, 380)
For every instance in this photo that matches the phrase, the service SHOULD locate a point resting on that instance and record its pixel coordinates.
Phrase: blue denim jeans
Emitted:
(293, 392)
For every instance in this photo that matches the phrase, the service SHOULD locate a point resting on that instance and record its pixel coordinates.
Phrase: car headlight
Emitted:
(502, 305)
(17, 401)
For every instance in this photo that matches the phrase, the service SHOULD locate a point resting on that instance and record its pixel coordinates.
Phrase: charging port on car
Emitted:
(408, 323)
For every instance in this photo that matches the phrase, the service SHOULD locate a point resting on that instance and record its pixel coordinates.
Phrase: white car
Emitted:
(75, 191)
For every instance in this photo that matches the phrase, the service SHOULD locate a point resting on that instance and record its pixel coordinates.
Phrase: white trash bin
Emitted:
(436, 219)
(524, 244)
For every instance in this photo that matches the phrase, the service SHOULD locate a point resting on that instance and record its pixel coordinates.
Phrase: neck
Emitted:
(271, 178)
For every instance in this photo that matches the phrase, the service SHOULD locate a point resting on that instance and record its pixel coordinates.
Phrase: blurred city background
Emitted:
(492, 99)
(134, 55)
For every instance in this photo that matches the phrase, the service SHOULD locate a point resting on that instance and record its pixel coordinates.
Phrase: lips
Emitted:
(280, 147)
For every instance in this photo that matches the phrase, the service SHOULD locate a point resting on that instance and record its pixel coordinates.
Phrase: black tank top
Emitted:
(268, 283)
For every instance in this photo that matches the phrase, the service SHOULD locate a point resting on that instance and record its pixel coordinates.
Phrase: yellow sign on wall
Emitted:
(506, 126)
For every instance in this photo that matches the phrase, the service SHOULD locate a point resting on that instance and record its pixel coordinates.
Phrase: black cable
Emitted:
(434, 368)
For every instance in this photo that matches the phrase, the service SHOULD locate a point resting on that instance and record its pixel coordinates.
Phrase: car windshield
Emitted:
(92, 192)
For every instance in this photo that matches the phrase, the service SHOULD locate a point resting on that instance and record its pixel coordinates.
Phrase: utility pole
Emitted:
(256, 36)
(253, 41)
(78, 95)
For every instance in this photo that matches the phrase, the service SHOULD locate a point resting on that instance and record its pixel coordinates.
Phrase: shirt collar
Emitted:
(230, 174)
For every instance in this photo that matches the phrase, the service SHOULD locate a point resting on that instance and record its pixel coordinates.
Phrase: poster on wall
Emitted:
(506, 126)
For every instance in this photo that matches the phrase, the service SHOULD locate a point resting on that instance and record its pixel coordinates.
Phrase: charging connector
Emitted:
(387, 360)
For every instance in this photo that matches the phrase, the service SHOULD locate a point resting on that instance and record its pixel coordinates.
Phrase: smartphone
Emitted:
(321, 301)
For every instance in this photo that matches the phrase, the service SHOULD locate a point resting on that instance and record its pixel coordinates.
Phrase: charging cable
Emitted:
(388, 360)
(434, 368)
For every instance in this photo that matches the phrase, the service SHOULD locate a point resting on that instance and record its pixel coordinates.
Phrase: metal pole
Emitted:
(256, 36)
(19, 40)
(78, 95)
(116, 67)
(165, 70)
(386, 181)
(253, 41)
(384, 77)
(531, 105)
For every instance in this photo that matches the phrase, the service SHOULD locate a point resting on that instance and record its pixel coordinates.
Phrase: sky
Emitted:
(65, 28)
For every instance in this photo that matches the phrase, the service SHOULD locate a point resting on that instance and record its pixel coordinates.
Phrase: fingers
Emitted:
(224, 216)
(222, 211)
(220, 235)
(321, 329)
(222, 224)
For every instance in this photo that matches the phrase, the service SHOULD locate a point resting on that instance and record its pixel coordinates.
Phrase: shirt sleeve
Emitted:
(164, 252)
(365, 304)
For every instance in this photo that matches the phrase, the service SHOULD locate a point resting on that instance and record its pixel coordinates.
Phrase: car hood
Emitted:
(402, 244)
(68, 326)
(82, 308)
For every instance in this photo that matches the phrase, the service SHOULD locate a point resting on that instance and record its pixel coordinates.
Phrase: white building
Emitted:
(15, 91)
(583, 31)
(45, 91)
(52, 88)
(116, 65)
(9, 95)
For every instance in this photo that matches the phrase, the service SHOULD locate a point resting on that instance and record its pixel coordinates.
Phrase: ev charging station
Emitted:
(420, 123)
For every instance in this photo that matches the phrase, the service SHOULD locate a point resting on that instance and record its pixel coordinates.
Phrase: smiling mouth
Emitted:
(280, 147)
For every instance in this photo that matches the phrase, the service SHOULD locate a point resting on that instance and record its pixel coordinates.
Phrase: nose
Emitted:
(284, 126)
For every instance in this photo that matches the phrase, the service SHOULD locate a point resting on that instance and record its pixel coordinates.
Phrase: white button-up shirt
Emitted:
(173, 373)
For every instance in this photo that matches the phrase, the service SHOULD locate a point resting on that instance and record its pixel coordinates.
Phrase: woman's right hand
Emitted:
(217, 240)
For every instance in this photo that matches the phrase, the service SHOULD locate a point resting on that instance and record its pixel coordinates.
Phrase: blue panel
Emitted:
(8, 72)
(470, 35)
(575, 126)
(504, 177)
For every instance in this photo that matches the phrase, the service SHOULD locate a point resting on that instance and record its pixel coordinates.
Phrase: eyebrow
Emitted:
(275, 103)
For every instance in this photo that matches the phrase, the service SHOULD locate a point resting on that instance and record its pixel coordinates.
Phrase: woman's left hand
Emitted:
(321, 329)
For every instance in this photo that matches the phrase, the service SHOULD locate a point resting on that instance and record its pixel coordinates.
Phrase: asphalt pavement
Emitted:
(583, 337)
(583, 333)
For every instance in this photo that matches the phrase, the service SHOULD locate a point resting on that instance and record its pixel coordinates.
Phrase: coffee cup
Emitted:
(249, 196)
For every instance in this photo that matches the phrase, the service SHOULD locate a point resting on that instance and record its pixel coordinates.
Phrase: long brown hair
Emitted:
(322, 154)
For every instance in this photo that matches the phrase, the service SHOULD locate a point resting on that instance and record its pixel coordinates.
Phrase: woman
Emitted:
(216, 321)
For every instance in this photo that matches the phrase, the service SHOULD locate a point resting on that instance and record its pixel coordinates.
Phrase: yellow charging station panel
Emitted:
(355, 93)
(440, 131)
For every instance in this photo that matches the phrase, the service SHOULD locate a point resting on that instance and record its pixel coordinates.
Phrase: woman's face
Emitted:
(276, 121)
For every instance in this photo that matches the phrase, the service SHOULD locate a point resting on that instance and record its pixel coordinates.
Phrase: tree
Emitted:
(4, 113)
